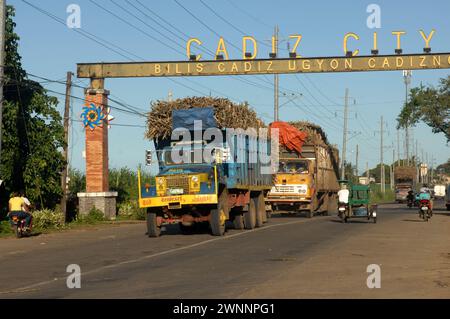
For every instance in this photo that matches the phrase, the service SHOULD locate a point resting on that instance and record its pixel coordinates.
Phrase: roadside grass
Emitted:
(49, 221)
(377, 197)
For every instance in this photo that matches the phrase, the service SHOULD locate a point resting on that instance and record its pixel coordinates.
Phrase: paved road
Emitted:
(291, 257)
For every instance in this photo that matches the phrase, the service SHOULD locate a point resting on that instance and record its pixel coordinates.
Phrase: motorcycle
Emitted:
(343, 211)
(410, 203)
(19, 226)
(425, 211)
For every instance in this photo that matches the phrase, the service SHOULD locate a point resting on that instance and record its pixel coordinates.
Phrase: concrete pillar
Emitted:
(97, 174)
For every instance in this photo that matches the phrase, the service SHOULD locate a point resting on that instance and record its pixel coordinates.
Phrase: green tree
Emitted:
(444, 168)
(429, 105)
(32, 134)
(376, 173)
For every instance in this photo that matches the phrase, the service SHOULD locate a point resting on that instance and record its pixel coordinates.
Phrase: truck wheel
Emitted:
(260, 210)
(217, 221)
(448, 207)
(238, 222)
(219, 215)
(250, 216)
(152, 227)
(309, 213)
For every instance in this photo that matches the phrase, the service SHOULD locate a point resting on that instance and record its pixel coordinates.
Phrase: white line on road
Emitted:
(47, 282)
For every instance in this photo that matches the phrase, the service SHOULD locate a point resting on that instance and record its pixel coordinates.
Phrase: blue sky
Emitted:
(50, 49)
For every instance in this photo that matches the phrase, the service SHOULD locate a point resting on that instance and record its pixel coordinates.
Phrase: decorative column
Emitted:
(95, 118)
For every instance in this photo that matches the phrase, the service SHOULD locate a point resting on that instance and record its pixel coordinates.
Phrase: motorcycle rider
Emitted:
(425, 194)
(343, 194)
(410, 197)
(17, 207)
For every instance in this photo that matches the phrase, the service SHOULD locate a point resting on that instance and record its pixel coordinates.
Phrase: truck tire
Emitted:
(219, 215)
(217, 222)
(309, 214)
(448, 207)
(152, 226)
(260, 210)
(238, 222)
(250, 216)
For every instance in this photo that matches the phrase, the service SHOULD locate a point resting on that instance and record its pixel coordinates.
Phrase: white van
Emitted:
(439, 191)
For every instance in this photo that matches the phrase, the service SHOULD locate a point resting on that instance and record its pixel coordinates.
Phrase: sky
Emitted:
(133, 32)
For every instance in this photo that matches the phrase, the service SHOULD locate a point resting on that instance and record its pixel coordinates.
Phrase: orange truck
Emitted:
(307, 178)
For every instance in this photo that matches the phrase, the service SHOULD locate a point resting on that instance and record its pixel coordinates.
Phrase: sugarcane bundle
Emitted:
(227, 114)
(315, 133)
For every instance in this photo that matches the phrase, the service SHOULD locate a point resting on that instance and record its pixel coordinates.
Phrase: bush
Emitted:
(131, 210)
(94, 215)
(5, 228)
(48, 219)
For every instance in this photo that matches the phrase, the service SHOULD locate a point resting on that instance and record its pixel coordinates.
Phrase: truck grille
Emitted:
(178, 182)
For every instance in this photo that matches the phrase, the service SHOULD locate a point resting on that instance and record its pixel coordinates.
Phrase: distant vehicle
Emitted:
(439, 191)
(405, 180)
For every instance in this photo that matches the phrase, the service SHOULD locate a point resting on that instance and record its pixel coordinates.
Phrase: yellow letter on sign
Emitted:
(244, 47)
(188, 48)
(427, 39)
(299, 38)
(348, 35)
(221, 48)
(398, 34)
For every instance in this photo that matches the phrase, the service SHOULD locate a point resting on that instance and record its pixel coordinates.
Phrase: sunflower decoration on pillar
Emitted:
(93, 116)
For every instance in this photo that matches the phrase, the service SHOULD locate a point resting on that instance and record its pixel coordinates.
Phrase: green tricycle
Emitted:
(358, 205)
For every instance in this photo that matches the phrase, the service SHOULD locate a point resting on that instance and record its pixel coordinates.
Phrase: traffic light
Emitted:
(148, 157)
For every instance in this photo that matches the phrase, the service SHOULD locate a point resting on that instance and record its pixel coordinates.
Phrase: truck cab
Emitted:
(292, 184)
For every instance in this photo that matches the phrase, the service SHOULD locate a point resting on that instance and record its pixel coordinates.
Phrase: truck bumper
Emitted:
(177, 202)
(289, 203)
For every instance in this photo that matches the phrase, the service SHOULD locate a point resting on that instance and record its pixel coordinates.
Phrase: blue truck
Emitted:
(207, 174)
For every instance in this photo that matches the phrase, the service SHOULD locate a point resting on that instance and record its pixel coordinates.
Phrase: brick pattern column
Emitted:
(97, 147)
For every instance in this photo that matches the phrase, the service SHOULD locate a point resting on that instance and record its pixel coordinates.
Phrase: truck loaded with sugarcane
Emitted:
(307, 179)
(213, 166)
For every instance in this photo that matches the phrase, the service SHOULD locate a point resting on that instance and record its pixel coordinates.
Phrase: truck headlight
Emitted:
(195, 179)
(160, 181)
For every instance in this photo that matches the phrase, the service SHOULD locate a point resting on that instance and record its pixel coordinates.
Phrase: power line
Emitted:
(83, 32)
(135, 27)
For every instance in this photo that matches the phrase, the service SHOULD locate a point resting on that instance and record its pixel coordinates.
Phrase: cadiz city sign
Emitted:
(351, 61)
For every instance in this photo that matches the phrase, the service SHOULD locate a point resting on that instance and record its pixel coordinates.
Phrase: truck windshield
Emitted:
(300, 167)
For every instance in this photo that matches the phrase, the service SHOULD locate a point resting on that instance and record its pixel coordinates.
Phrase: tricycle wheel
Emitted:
(374, 220)
(153, 230)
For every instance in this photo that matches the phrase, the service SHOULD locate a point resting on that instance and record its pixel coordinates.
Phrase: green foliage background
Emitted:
(32, 132)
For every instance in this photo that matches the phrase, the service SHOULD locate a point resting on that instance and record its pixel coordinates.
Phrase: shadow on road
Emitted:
(414, 220)
(353, 221)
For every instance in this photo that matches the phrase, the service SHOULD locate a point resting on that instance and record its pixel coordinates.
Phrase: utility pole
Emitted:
(356, 163)
(407, 78)
(428, 169)
(398, 148)
(382, 176)
(64, 175)
(367, 173)
(344, 139)
(392, 168)
(2, 63)
(275, 80)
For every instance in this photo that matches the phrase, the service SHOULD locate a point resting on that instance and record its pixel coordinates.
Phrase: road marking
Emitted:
(162, 253)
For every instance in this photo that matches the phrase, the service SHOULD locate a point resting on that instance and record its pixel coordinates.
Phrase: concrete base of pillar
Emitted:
(104, 201)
